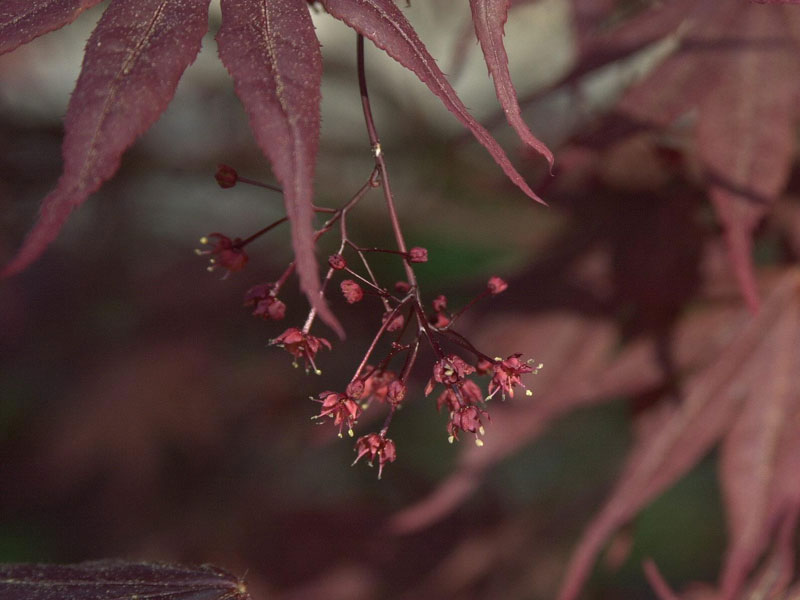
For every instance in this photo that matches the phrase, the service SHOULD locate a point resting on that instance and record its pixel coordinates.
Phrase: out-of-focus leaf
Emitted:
(118, 580)
(761, 455)
(272, 53)
(23, 20)
(747, 148)
(489, 18)
(682, 81)
(131, 68)
(383, 23)
(710, 403)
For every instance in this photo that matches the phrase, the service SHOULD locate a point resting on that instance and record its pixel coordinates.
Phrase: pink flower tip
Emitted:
(417, 255)
(496, 285)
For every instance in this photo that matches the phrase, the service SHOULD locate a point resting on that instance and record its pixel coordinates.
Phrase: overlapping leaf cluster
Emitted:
(721, 111)
(139, 50)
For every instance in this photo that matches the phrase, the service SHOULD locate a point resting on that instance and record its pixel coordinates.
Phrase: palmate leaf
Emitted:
(271, 50)
(383, 23)
(131, 68)
(23, 20)
(118, 580)
(489, 18)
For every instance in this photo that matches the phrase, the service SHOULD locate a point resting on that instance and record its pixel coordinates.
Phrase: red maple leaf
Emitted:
(138, 52)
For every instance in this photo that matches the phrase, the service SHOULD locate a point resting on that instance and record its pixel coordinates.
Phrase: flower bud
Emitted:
(226, 176)
(337, 261)
(417, 255)
(352, 291)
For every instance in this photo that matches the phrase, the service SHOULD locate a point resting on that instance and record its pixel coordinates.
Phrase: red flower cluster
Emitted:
(376, 445)
(507, 375)
(449, 371)
(343, 409)
(467, 418)
(267, 306)
(301, 345)
(225, 253)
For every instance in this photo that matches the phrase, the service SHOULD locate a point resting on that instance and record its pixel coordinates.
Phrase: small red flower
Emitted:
(343, 410)
(355, 389)
(417, 255)
(396, 393)
(496, 286)
(440, 303)
(402, 287)
(467, 418)
(301, 345)
(449, 371)
(225, 253)
(267, 306)
(351, 291)
(507, 375)
(376, 445)
(337, 261)
(226, 176)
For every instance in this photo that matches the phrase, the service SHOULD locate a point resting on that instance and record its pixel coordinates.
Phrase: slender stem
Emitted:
(375, 142)
(466, 307)
(465, 343)
(268, 186)
(261, 232)
(386, 322)
(339, 214)
(410, 360)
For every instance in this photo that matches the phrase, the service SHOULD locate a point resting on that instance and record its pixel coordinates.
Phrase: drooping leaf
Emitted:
(710, 403)
(747, 148)
(118, 580)
(131, 68)
(761, 456)
(23, 20)
(489, 17)
(383, 23)
(272, 53)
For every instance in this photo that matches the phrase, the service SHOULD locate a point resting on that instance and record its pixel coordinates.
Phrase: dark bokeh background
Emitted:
(142, 414)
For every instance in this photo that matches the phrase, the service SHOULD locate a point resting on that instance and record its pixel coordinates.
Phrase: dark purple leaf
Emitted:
(118, 580)
(272, 53)
(383, 23)
(489, 17)
(133, 61)
(23, 20)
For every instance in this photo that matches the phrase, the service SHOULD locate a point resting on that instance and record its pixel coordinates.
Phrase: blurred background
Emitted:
(143, 416)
